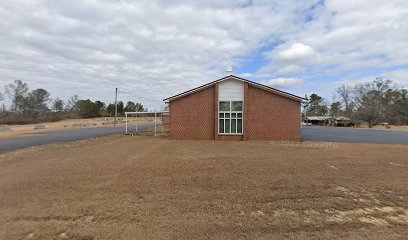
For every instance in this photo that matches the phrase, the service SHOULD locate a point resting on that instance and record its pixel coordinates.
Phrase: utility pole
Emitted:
(116, 105)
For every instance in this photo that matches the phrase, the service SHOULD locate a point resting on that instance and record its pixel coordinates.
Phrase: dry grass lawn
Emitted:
(140, 187)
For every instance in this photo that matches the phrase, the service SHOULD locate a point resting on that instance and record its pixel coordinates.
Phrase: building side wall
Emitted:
(192, 116)
(270, 116)
(230, 137)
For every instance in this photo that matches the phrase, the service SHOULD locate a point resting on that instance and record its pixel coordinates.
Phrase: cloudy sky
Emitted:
(151, 49)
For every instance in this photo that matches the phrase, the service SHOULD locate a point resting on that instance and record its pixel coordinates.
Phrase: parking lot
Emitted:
(353, 135)
(42, 138)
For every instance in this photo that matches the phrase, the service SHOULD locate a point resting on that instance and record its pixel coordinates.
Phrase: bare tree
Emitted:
(370, 100)
(396, 106)
(346, 97)
(72, 104)
(2, 99)
(17, 92)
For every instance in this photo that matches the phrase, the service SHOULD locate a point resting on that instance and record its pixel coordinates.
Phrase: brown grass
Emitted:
(141, 187)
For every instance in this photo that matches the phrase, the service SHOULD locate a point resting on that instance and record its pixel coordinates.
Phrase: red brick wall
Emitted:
(267, 116)
(165, 119)
(270, 116)
(230, 137)
(192, 116)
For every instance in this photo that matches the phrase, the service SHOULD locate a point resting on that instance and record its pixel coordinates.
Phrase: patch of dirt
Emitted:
(397, 164)
(141, 187)
(373, 220)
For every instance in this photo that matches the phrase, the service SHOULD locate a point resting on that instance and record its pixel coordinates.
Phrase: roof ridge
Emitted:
(237, 78)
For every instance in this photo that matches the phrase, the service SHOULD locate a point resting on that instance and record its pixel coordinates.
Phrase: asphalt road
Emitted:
(7, 145)
(354, 135)
(309, 133)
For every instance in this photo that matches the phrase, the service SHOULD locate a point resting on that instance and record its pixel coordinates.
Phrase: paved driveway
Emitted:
(354, 135)
(7, 145)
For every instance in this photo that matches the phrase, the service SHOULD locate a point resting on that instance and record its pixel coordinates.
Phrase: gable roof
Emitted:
(271, 89)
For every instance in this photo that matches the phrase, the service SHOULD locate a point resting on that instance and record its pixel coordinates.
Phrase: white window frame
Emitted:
(230, 118)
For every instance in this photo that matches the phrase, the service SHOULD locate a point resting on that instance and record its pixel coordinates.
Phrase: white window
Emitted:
(230, 117)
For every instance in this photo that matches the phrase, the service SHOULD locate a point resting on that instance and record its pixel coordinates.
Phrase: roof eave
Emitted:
(279, 92)
(191, 91)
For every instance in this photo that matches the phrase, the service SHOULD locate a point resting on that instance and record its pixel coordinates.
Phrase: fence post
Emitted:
(162, 122)
(155, 123)
(126, 119)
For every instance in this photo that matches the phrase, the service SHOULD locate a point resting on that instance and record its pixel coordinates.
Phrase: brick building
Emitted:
(233, 108)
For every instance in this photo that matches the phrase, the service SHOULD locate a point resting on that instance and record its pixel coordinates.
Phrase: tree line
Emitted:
(37, 106)
(374, 102)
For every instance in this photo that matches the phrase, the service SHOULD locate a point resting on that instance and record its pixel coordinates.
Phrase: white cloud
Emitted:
(351, 41)
(283, 82)
(358, 35)
(154, 49)
(398, 77)
(290, 69)
(151, 49)
(298, 51)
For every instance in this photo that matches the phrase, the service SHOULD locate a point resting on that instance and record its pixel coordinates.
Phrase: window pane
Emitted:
(227, 115)
(233, 115)
(233, 126)
(239, 115)
(224, 106)
(237, 106)
(227, 126)
(239, 126)
(221, 115)
(221, 125)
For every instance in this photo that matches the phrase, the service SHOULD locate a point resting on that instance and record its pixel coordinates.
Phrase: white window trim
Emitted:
(230, 112)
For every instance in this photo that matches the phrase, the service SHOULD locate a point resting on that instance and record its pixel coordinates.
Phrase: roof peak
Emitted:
(259, 85)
